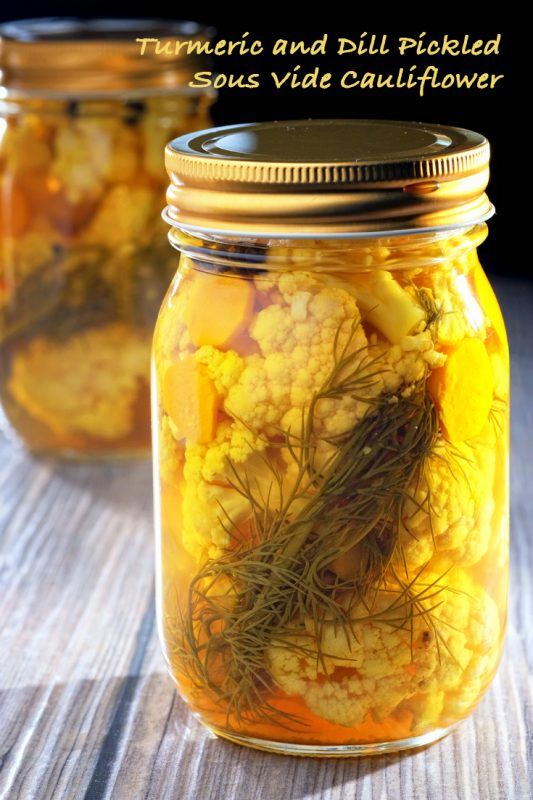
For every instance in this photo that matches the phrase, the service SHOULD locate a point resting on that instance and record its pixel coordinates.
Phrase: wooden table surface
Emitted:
(87, 710)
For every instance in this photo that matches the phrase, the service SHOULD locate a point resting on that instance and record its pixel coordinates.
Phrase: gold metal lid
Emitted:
(57, 57)
(327, 178)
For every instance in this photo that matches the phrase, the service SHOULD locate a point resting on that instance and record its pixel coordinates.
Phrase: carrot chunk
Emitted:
(463, 389)
(14, 211)
(219, 309)
(191, 400)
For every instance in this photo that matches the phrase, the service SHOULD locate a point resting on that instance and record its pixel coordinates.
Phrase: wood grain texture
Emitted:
(87, 711)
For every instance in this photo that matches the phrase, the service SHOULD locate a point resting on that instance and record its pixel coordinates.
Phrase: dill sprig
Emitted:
(497, 416)
(278, 570)
(433, 311)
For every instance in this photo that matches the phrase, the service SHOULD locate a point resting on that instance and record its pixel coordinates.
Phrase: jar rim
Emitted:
(197, 230)
(68, 56)
(240, 254)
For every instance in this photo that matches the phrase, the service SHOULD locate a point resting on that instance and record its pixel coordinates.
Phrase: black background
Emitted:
(492, 112)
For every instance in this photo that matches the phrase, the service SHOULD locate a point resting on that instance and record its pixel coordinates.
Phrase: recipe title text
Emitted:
(420, 77)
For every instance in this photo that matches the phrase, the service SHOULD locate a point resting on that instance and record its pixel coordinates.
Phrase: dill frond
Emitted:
(279, 573)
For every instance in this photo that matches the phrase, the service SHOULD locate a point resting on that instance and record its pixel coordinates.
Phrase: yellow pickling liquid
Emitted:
(83, 267)
(332, 436)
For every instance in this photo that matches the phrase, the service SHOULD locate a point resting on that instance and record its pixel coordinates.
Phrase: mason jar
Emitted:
(84, 118)
(330, 420)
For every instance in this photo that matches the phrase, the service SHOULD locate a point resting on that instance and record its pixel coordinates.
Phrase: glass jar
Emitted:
(83, 269)
(330, 417)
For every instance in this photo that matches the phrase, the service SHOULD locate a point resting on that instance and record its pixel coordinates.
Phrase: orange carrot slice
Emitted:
(219, 308)
(191, 400)
(463, 390)
(14, 211)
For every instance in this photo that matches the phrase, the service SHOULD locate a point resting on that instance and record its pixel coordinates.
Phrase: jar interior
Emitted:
(84, 265)
(330, 431)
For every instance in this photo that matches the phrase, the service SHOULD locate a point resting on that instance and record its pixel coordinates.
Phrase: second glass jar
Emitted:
(83, 263)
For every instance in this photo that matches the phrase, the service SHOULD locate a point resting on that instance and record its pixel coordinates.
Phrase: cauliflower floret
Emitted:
(123, 218)
(389, 657)
(207, 511)
(296, 338)
(210, 500)
(233, 443)
(114, 147)
(457, 489)
(171, 338)
(90, 152)
(460, 312)
(476, 679)
(407, 363)
(170, 454)
(77, 164)
(401, 364)
(479, 656)
(87, 384)
(331, 254)
(224, 368)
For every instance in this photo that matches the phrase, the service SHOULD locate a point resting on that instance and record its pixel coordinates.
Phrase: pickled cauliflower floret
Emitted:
(409, 348)
(114, 147)
(330, 254)
(172, 337)
(76, 164)
(207, 509)
(406, 363)
(211, 503)
(224, 367)
(169, 453)
(296, 338)
(87, 384)
(92, 152)
(390, 657)
(122, 218)
(460, 314)
(450, 514)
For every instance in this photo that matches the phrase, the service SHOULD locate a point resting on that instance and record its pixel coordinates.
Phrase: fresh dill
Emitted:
(278, 570)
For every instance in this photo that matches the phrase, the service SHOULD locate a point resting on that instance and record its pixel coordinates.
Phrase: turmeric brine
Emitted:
(331, 440)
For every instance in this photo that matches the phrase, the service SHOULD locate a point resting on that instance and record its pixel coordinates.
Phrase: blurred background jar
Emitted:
(84, 118)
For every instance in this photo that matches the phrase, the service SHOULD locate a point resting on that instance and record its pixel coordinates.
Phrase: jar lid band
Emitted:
(54, 57)
(327, 177)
